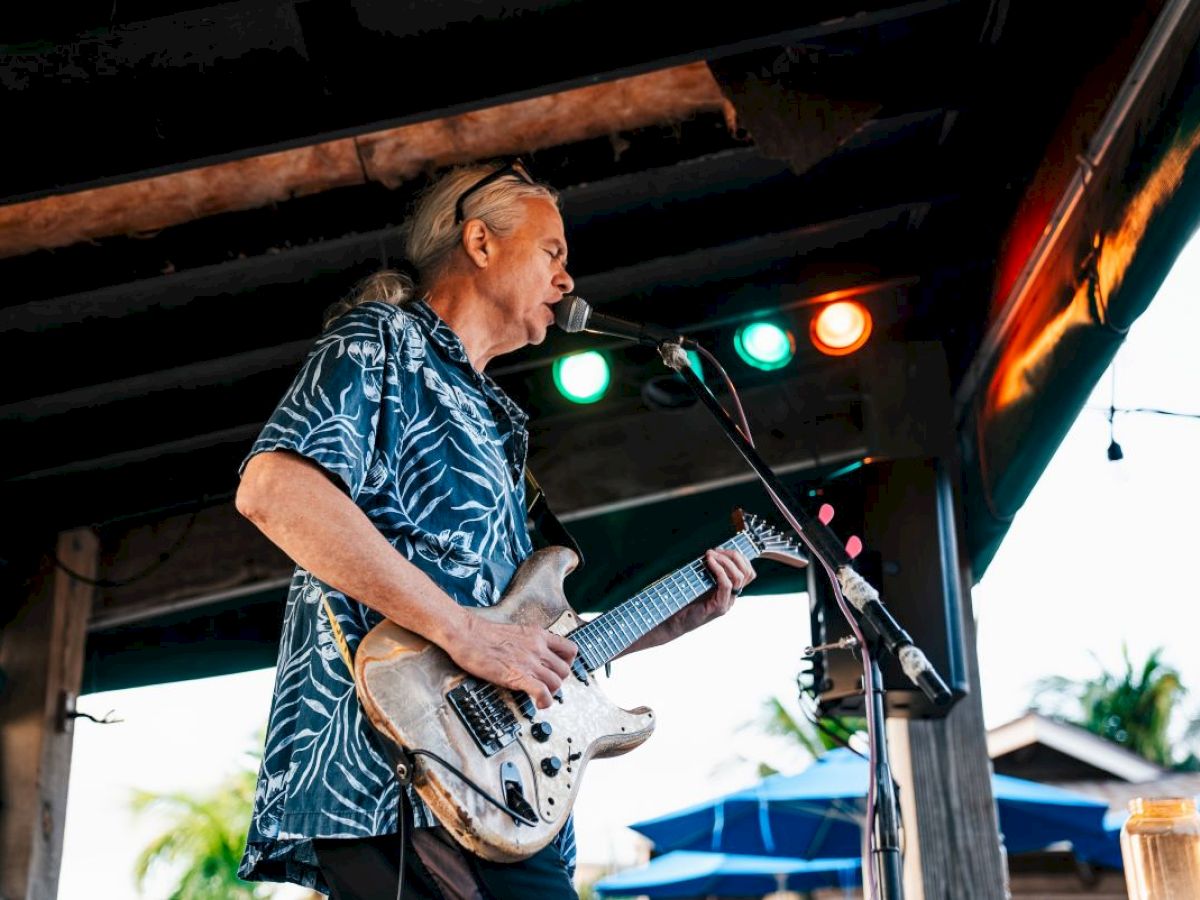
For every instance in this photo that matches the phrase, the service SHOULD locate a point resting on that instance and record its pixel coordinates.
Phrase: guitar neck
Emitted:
(607, 636)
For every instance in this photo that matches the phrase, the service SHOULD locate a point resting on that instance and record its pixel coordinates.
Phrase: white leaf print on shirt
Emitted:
(451, 550)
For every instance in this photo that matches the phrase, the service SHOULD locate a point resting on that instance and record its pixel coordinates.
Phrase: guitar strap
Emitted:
(338, 637)
(545, 528)
(541, 520)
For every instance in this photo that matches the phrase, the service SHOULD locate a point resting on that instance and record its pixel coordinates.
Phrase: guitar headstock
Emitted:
(770, 541)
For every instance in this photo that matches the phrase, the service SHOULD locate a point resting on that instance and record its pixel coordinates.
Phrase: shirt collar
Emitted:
(445, 337)
(439, 332)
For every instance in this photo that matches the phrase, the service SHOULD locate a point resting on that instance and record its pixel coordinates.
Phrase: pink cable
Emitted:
(868, 682)
(744, 428)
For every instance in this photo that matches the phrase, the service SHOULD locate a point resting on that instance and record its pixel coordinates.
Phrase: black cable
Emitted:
(404, 773)
(808, 691)
(1157, 412)
(480, 791)
(402, 789)
(158, 563)
(840, 739)
(1107, 410)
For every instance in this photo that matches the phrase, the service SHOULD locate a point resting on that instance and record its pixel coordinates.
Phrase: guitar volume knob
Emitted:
(551, 765)
(541, 731)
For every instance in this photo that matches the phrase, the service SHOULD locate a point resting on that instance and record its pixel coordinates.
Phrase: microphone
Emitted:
(875, 615)
(573, 314)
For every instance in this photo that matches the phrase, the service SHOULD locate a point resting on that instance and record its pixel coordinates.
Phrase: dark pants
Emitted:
(436, 868)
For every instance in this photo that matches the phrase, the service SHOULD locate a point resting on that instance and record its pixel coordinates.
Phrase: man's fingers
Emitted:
(563, 648)
(538, 692)
(556, 664)
(547, 676)
(740, 572)
(743, 564)
(717, 566)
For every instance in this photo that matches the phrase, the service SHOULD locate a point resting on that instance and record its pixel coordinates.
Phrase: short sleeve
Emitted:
(330, 414)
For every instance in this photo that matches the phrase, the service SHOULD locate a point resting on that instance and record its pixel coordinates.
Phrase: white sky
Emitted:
(1100, 554)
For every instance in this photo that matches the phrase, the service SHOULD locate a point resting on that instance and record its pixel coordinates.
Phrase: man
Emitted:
(391, 473)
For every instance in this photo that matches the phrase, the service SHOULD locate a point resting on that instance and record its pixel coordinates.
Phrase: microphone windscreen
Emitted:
(571, 313)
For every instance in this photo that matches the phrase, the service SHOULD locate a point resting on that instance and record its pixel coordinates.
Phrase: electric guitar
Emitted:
(498, 773)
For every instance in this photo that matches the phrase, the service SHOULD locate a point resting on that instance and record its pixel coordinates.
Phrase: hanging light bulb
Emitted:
(1115, 452)
(840, 328)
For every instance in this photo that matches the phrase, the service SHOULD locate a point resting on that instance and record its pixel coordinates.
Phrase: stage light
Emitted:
(582, 377)
(764, 345)
(840, 328)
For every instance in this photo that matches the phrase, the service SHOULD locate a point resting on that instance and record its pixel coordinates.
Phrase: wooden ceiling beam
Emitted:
(390, 157)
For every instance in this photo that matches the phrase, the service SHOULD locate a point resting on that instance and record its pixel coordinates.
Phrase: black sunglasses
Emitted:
(516, 169)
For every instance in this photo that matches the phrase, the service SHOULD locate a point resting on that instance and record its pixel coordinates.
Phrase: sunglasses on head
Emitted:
(516, 169)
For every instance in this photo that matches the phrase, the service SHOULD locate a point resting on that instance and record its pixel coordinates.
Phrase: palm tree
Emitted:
(205, 835)
(1131, 708)
(815, 734)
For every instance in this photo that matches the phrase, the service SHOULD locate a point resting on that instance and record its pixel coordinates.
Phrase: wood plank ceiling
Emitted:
(184, 193)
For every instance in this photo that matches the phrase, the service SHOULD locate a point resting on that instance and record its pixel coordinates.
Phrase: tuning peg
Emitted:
(854, 546)
(825, 513)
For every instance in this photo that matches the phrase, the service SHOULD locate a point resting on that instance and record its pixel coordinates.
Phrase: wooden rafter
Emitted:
(389, 157)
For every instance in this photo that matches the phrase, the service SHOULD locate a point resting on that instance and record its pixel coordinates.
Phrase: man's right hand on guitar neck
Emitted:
(519, 657)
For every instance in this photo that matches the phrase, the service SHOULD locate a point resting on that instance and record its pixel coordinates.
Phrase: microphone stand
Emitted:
(877, 624)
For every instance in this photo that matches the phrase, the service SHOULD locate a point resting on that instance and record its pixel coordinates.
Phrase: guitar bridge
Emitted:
(487, 718)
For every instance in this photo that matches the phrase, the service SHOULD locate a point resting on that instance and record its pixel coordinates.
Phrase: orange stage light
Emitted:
(840, 328)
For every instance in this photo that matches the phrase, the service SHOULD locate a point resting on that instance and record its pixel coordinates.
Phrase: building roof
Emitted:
(1042, 749)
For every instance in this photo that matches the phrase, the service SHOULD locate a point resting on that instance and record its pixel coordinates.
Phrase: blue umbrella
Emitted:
(687, 874)
(819, 814)
(1105, 851)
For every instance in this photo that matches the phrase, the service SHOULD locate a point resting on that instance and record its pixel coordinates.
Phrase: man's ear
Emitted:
(477, 242)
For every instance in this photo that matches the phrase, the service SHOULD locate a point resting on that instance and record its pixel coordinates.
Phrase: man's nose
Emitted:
(563, 281)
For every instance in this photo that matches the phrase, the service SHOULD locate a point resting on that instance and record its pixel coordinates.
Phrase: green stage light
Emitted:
(765, 345)
(582, 377)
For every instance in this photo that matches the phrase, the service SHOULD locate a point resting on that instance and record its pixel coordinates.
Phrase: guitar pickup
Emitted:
(525, 705)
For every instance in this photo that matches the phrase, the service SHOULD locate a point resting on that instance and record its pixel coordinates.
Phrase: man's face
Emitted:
(529, 275)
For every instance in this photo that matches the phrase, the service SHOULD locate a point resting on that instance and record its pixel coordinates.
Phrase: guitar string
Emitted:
(490, 696)
(490, 693)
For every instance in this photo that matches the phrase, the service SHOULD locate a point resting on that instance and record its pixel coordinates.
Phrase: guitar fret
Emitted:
(661, 602)
(623, 624)
(610, 634)
(646, 620)
(602, 637)
(613, 635)
(635, 613)
(614, 640)
(676, 605)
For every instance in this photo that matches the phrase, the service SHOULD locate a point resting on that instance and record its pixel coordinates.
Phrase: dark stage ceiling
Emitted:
(184, 194)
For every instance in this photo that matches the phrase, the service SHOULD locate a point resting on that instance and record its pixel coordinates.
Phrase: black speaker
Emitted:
(903, 511)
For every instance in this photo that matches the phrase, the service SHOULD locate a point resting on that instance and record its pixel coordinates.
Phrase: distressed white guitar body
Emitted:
(532, 760)
(410, 678)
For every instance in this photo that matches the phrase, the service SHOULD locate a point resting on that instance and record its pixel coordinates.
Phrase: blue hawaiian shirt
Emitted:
(433, 452)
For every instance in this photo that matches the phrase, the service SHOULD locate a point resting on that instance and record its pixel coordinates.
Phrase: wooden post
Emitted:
(951, 839)
(41, 653)
(951, 833)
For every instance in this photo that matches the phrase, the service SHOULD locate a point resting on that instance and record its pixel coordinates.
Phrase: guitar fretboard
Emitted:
(609, 635)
